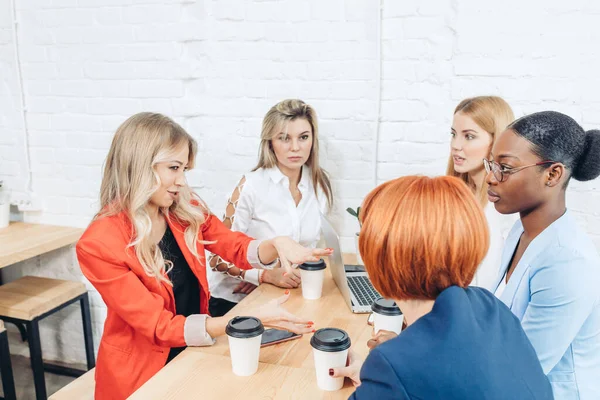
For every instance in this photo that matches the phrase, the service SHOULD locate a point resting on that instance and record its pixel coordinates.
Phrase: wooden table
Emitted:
(21, 241)
(286, 370)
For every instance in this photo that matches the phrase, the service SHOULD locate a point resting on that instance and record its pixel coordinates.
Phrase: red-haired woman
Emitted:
(421, 241)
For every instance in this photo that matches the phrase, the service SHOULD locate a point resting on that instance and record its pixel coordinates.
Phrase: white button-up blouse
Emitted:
(266, 209)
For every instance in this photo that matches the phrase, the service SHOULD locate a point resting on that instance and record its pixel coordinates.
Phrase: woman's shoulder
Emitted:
(573, 260)
(570, 235)
(475, 310)
(565, 242)
(111, 230)
(255, 179)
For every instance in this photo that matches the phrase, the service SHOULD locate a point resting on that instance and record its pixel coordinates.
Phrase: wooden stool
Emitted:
(30, 299)
(81, 388)
(8, 383)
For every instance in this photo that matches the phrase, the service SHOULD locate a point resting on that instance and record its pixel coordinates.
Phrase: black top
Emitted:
(186, 287)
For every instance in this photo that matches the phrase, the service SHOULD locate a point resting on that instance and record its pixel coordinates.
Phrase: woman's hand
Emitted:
(273, 315)
(351, 370)
(291, 252)
(379, 338)
(279, 277)
(244, 288)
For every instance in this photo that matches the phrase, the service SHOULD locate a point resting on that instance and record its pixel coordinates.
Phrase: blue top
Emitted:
(470, 346)
(555, 292)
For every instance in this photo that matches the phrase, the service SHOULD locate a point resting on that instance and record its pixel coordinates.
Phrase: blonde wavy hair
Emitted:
(130, 179)
(491, 113)
(274, 122)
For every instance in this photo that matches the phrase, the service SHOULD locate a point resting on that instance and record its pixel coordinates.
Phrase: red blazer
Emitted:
(141, 325)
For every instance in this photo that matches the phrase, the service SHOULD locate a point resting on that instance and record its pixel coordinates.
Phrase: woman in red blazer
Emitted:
(144, 253)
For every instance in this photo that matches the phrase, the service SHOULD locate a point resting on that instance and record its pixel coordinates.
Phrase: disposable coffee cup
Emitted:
(312, 274)
(245, 334)
(330, 350)
(387, 316)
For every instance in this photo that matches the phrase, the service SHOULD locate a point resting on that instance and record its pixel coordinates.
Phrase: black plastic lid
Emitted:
(386, 307)
(330, 340)
(313, 265)
(244, 327)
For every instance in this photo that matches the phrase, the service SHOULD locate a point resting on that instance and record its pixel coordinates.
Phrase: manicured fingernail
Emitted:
(330, 371)
(314, 330)
(311, 323)
(287, 292)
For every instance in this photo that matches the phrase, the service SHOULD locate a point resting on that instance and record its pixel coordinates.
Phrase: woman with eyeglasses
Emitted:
(461, 342)
(476, 124)
(550, 273)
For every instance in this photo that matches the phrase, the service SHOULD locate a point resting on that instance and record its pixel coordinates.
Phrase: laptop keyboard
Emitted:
(363, 290)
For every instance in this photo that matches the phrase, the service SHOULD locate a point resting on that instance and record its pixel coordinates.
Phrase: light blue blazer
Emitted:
(555, 292)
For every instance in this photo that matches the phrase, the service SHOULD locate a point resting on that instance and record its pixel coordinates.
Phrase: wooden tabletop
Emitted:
(81, 388)
(20, 241)
(286, 370)
(208, 376)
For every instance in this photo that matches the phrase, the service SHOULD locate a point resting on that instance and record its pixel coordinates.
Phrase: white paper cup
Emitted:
(330, 350)
(387, 316)
(312, 275)
(245, 334)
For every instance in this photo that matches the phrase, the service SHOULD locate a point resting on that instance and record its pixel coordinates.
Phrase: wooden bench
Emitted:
(81, 388)
(29, 299)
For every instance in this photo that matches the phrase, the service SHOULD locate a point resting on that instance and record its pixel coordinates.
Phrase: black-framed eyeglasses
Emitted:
(501, 173)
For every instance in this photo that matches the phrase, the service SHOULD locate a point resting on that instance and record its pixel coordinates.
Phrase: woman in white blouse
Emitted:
(284, 195)
(477, 122)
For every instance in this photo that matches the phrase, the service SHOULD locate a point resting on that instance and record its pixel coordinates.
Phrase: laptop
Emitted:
(352, 280)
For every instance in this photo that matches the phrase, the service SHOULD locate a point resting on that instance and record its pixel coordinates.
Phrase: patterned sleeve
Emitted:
(238, 214)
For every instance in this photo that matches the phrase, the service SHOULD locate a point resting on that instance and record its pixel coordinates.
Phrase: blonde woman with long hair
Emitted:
(476, 123)
(144, 253)
(284, 195)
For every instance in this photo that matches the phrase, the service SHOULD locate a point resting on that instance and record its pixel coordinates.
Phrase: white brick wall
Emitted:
(217, 66)
(11, 145)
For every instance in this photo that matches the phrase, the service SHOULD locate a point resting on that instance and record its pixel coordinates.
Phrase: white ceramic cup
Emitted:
(312, 275)
(245, 334)
(387, 316)
(4, 207)
(330, 350)
(4, 215)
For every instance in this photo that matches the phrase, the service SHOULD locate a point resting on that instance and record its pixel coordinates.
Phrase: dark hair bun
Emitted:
(588, 164)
